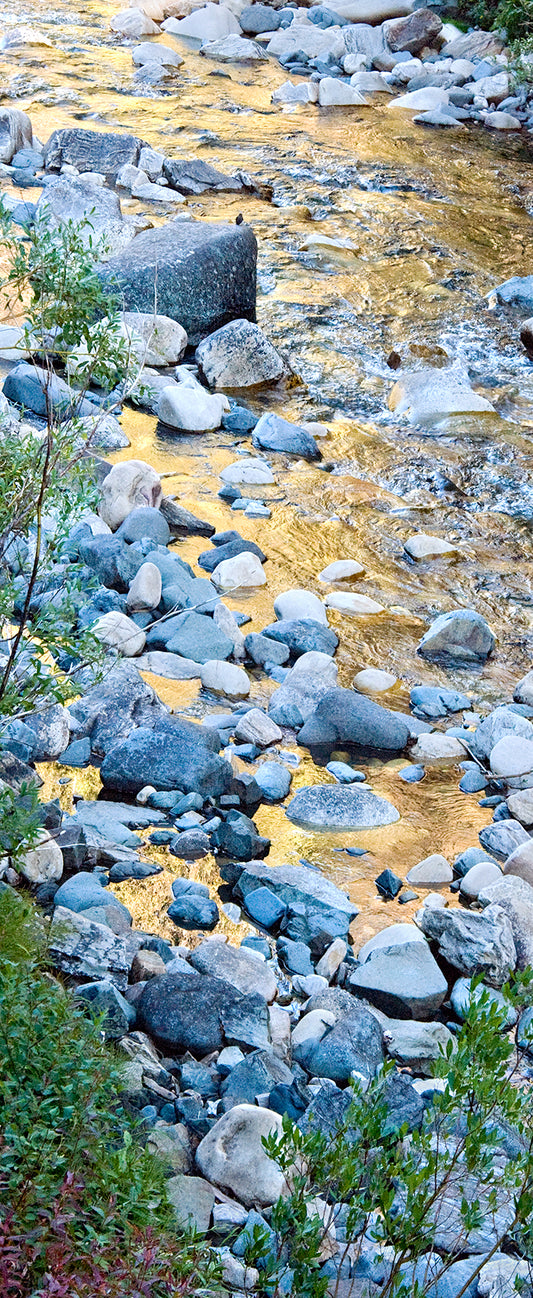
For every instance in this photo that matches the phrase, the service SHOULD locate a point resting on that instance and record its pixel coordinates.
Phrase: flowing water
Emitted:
(434, 221)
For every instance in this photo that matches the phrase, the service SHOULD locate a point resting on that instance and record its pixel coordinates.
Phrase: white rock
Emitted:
(437, 748)
(502, 122)
(233, 49)
(463, 68)
(149, 52)
(395, 935)
(171, 666)
(493, 88)
(225, 678)
(511, 756)
(331, 960)
(103, 432)
(256, 728)
(524, 690)
(373, 681)
(369, 83)
(205, 24)
(424, 546)
(480, 876)
(348, 602)
(372, 11)
(244, 570)
(145, 590)
(432, 872)
(312, 1026)
(289, 93)
(422, 100)
(127, 177)
(498, 1276)
(296, 604)
(44, 862)
(225, 619)
(151, 162)
(12, 340)
(521, 806)
(239, 355)
(129, 485)
(249, 471)
(119, 632)
(314, 41)
(232, 1155)
(332, 92)
(188, 406)
(341, 570)
(316, 664)
(143, 188)
(279, 1022)
(155, 339)
(430, 392)
(133, 22)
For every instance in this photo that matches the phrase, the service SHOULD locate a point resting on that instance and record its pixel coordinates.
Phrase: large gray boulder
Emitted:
(233, 1156)
(242, 968)
(297, 697)
(351, 1045)
(514, 896)
(35, 389)
(198, 273)
(174, 756)
(317, 905)
(330, 806)
(239, 356)
(403, 981)
(501, 723)
(473, 943)
(517, 291)
(344, 717)
(91, 150)
(201, 1013)
(461, 635)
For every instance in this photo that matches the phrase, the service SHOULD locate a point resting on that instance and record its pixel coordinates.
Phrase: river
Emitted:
(435, 220)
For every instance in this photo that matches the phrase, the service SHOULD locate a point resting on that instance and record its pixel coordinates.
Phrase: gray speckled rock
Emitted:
(501, 723)
(473, 943)
(239, 356)
(201, 1013)
(103, 998)
(202, 274)
(303, 636)
(232, 1155)
(84, 949)
(461, 635)
(344, 717)
(320, 904)
(329, 806)
(236, 965)
(177, 757)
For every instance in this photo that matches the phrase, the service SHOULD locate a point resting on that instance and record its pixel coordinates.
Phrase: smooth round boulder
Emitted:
(225, 678)
(512, 756)
(373, 681)
(145, 522)
(244, 570)
(478, 877)
(119, 632)
(232, 1155)
(145, 590)
(294, 605)
(423, 546)
(274, 780)
(341, 570)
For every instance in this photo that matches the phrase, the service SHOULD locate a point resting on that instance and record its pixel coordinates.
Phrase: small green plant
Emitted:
(379, 1188)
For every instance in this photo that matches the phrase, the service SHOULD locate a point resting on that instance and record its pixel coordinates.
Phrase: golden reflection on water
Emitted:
(435, 223)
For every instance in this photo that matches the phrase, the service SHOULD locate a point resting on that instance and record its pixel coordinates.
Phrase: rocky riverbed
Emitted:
(309, 565)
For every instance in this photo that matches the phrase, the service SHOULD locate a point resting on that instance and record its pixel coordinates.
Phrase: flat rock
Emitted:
(171, 666)
(84, 949)
(242, 571)
(96, 151)
(197, 637)
(341, 570)
(306, 890)
(327, 806)
(177, 757)
(241, 968)
(432, 872)
(404, 981)
(424, 546)
(416, 1045)
(233, 49)
(357, 605)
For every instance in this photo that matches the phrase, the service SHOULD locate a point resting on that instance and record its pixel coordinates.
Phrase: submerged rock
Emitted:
(329, 806)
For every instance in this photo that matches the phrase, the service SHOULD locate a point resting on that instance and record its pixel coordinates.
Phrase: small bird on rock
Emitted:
(239, 219)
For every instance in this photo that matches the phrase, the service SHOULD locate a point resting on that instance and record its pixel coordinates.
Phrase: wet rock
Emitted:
(461, 635)
(341, 570)
(187, 406)
(289, 93)
(192, 910)
(78, 753)
(84, 949)
(272, 433)
(526, 338)
(149, 52)
(201, 1013)
(473, 943)
(348, 602)
(403, 980)
(353, 1044)
(436, 701)
(239, 356)
(319, 905)
(233, 1157)
(430, 393)
(432, 872)
(177, 757)
(343, 717)
(327, 806)
(205, 24)
(191, 845)
(133, 23)
(423, 546)
(94, 151)
(373, 681)
(202, 274)
(438, 748)
(333, 93)
(388, 884)
(114, 707)
(263, 649)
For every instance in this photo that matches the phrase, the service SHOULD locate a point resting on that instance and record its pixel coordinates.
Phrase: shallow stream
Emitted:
(435, 221)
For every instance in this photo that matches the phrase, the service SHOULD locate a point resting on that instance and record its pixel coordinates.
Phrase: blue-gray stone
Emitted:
(265, 908)
(434, 701)
(295, 956)
(145, 521)
(35, 389)
(328, 806)
(411, 774)
(82, 891)
(78, 753)
(472, 781)
(192, 911)
(176, 755)
(517, 291)
(272, 433)
(103, 998)
(345, 774)
(345, 717)
(461, 635)
(467, 859)
(274, 780)
(302, 635)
